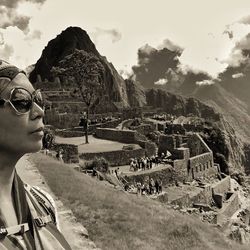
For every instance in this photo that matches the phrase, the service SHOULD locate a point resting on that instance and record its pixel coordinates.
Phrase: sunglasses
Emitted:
(21, 100)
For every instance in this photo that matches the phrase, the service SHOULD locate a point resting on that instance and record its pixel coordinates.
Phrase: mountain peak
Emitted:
(65, 43)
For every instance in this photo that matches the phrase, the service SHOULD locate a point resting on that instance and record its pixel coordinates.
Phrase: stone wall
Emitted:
(180, 167)
(197, 146)
(116, 158)
(125, 136)
(183, 201)
(201, 166)
(203, 197)
(181, 153)
(167, 176)
(166, 143)
(69, 133)
(222, 187)
(143, 129)
(77, 131)
(175, 129)
(61, 120)
(150, 147)
(70, 152)
(230, 206)
(193, 128)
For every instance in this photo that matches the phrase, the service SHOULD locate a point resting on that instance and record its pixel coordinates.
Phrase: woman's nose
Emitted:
(36, 111)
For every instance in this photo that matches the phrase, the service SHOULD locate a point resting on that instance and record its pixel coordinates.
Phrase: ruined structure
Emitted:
(191, 156)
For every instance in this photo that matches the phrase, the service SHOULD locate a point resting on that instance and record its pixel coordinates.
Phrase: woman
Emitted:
(27, 215)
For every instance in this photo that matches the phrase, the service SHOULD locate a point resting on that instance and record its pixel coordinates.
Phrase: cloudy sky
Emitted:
(211, 33)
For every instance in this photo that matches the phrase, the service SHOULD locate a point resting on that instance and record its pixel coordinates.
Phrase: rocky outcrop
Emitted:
(136, 93)
(64, 44)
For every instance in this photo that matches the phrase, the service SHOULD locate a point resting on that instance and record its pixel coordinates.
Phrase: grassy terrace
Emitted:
(118, 221)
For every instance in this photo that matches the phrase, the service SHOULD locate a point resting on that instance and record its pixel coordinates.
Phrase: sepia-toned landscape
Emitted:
(152, 157)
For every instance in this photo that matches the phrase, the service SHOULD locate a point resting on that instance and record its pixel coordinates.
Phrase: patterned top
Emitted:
(39, 218)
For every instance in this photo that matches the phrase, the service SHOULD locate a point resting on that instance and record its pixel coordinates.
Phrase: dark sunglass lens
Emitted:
(21, 100)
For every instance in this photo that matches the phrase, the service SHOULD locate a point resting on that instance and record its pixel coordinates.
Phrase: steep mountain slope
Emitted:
(64, 44)
(232, 109)
(136, 93)
(178, 105)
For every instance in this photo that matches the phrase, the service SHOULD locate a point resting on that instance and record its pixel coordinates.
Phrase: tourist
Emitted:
(144, 160)
(152, 160)
(138, 185)
(151, 186)
(27, 216)
(157, 186)
(131, 165)
(160, 186)
(139, 163)
(150, 163)
(157, 160)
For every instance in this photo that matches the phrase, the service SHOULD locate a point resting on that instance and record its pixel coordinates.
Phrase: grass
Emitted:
(120, 221)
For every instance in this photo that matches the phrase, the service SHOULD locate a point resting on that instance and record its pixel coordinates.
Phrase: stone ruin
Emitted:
(191, 157)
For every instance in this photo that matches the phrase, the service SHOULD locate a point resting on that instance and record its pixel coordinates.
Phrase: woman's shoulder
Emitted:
(45, 200)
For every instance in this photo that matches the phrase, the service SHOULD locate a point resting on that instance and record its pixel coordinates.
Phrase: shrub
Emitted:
(239, 177)
(128, 147)
(97, 164)
(221, 160)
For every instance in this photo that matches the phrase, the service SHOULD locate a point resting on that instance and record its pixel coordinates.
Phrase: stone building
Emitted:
(192, 158)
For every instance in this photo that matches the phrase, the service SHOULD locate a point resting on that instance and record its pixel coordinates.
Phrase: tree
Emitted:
(87, 71)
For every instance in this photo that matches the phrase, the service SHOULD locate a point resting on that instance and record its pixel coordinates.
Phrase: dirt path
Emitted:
(74, 232)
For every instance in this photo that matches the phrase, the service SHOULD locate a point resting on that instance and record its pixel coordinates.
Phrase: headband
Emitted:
(8, 71)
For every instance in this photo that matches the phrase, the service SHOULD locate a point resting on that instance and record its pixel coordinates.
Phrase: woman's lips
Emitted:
(38, 130)
(38, 133)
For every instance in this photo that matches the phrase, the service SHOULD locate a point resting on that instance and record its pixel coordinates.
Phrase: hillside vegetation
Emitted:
(117, 220)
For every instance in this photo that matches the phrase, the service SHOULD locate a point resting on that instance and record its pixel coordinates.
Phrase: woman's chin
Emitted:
(35, 147)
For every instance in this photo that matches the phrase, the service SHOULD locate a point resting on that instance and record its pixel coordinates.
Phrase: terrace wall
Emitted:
(115, 158)
(230, 206)
(166, 176)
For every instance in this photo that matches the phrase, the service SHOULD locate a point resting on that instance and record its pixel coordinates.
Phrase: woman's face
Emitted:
(17, 131)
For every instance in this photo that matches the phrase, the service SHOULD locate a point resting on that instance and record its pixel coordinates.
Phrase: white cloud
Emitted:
(161, 81)
(196, 26)
(205, 82)
(238, 75)
(113, 34)
(169, 45)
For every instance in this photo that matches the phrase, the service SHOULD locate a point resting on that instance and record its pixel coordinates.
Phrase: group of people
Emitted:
(143, 163)
(164, 117)
(149, 187)
(101, 120)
